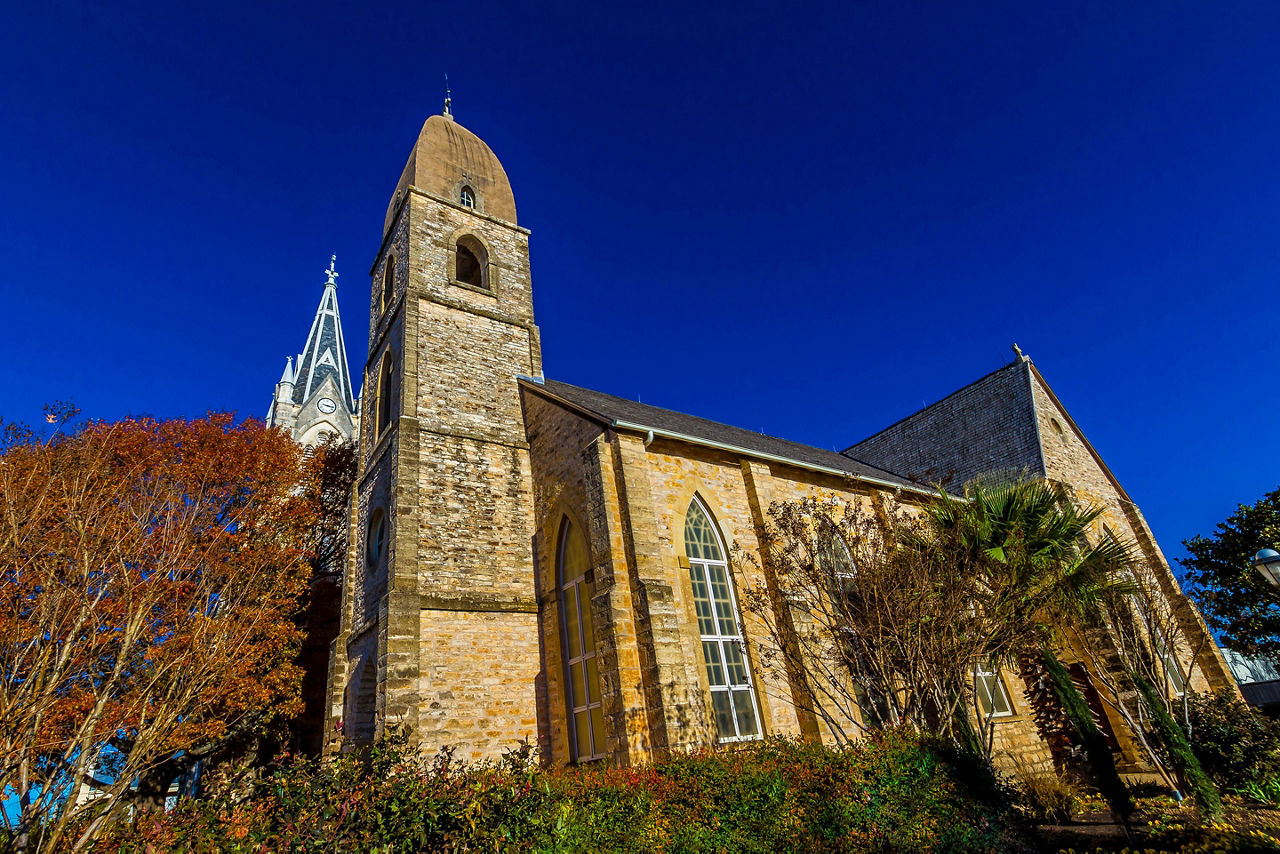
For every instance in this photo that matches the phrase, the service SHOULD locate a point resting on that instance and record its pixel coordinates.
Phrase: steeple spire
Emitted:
(448, 101)
(325, 354)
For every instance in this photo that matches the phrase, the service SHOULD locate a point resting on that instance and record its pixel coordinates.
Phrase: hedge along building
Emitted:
(531, 559)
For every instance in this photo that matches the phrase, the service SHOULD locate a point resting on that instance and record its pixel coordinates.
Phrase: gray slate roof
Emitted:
(986, 428)
(612, 411)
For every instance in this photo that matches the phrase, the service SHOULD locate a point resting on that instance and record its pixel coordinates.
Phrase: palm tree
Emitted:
(1037, 567)
(1030, 537)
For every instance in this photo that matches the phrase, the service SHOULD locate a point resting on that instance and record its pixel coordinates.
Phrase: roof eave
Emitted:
(761, 455)
(534, 385)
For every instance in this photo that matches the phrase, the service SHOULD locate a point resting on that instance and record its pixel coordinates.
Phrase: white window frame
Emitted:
(984, 676)
(1173, 675)
(572, 593)
(703, 567)
(824, 530)
(467, 197)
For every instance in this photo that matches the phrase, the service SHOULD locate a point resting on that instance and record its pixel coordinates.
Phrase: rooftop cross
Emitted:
(331, 272)
(448, 101)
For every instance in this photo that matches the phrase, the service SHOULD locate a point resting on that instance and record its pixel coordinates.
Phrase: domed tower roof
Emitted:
(448, 158)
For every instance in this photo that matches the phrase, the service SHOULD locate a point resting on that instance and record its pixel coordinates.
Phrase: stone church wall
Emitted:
(472, 522)
(1069, 460)
(633, 501)
(481, 349)
(557, 441)
(476, 680)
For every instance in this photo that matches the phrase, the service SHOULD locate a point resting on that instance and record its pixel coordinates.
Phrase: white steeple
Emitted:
(316, 391)
(325, 354)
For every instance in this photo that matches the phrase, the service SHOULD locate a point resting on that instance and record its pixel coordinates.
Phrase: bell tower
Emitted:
(440, 618)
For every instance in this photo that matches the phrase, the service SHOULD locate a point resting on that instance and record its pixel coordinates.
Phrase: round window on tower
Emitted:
(467, 197)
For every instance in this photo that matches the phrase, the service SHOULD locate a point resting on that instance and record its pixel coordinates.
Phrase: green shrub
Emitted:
(1179, 751)
(897, 791)
(1235, 744)
(1266, 792)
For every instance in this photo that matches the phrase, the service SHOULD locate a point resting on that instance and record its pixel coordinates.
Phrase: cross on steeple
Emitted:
(331, 272)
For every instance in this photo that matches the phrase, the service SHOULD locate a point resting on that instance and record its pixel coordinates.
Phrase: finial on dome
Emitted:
(448, 101)
(331, 272)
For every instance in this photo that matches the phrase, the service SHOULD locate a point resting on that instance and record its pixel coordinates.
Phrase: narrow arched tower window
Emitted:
(733, 697)
(383, 415)
(376, 542)
(582, 675)
(471, 264)
(467, 197)
(388, 283)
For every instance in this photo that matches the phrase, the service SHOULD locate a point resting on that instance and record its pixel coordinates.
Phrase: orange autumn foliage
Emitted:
(150, 572)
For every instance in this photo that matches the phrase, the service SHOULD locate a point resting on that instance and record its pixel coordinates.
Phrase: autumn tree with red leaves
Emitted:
(150, 577)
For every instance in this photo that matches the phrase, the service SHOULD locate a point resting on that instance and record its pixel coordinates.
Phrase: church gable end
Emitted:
(987, 427)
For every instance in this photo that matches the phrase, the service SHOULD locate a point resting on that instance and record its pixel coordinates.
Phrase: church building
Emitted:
(534, 560)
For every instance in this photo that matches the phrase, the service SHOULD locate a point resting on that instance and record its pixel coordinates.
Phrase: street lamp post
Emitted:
(1267, 562)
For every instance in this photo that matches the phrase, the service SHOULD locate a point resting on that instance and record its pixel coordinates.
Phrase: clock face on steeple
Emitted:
(326, 405)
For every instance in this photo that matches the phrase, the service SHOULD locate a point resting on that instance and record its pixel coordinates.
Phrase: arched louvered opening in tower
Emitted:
(471, 263)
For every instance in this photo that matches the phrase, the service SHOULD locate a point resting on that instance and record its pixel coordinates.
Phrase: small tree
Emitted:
(1033, 543)
(1131, 640)
(1233, 597)
(875, 632)
(900, 605)
(1235, 743)
(908, 602)
(150, 572)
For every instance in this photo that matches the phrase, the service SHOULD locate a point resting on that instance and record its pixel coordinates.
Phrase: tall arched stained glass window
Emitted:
(732, 696)
(838, 573)
(586, 720)
(831, 554)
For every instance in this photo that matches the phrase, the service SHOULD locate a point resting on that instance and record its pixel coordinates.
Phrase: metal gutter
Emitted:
(761, 455)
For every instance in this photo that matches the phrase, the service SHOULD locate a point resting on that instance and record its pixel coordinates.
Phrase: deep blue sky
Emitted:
(807, 220)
